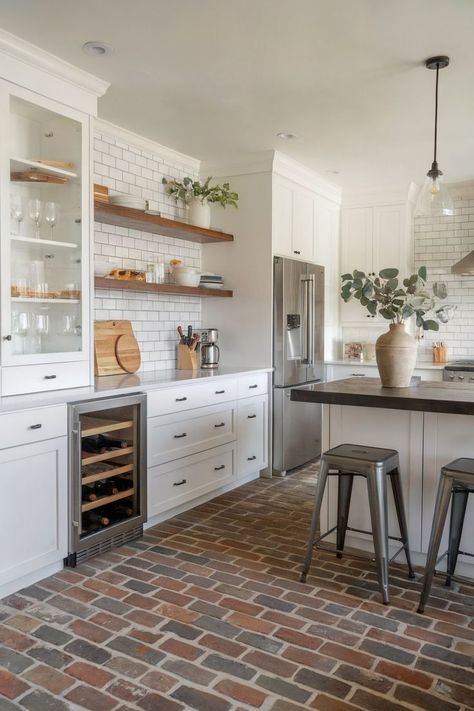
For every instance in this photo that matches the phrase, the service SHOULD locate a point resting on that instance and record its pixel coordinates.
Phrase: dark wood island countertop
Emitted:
(422, 395)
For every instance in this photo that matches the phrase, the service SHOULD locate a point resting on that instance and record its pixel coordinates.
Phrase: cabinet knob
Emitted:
(7, 338)
(296, 251)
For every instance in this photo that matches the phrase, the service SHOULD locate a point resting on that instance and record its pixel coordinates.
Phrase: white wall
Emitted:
(128, 164)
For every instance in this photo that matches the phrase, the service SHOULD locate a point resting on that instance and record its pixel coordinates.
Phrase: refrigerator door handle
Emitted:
(310, 337)
(305, 333)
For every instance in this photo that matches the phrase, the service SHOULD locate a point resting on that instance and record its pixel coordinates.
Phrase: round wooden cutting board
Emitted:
(127, 353)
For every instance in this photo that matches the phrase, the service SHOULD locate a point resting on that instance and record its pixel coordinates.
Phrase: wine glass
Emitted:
(42, 324)
(34, 211)
(16, 211)
(20, 329)
(51, 215)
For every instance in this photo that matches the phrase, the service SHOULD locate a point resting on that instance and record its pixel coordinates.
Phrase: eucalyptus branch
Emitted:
(187, 189)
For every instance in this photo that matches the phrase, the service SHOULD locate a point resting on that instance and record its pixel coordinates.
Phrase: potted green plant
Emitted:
(397, 302)
(198, 196)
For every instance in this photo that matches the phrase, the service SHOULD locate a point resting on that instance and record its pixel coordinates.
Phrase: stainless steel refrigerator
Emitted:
(298, 360)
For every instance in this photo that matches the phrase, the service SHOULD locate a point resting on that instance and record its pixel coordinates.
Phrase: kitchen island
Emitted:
(429, 423)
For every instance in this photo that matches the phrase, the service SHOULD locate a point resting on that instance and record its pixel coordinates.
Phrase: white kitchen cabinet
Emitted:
(293, 220)
(373, 238)
(45, 227)
(252, 438)
(33, 508)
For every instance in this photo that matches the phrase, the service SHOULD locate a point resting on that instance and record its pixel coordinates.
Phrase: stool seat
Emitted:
(375, 464)
(456, 482)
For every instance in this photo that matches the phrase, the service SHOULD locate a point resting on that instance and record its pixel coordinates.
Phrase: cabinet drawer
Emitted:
(252, 439)
(27, 426)
(173, 436)
(38, 378)
(179, 399)
(250, 385)
(174, 483)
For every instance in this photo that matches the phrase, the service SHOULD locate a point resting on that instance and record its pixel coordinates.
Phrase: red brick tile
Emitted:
(158, 681)
(269, 662)
(247, 608)
(240, 692)
(181, 649)
(454, 630)
(140, 601)
(327, 703)
(280, 618)
(22, 623)
(348, 655)
(428, 636)
(405, 674)
(168, 583)
(298, 638)
(110, 622)
(15, 640)
(250, 623)
(304, 600)
(90, 673)
(173, 597)
(127, 691)
(309, 659)
(177, 613)
(222, 645)
(10, 685)
(204, 593)
(145, 636)
(89, 631)
(55, 681)
(392, 638)
(91, 699)
(465, 648)
(105, 588)
(446, 616)
(81, 594)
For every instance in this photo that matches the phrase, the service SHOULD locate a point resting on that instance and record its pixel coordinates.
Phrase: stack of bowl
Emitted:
(186, 276)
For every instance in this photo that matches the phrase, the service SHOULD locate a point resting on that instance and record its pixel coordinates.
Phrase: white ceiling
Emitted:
(215, 78)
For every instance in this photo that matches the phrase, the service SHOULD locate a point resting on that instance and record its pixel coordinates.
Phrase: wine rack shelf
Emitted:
(93, 458)
(98, 425)
(107, 474)
(104, 500)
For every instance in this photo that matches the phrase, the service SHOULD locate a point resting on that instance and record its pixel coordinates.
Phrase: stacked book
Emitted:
(211, 281)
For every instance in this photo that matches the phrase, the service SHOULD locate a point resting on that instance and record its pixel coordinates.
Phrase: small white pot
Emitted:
(200, 213)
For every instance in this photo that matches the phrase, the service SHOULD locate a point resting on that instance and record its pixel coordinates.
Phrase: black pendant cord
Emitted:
(436, 116)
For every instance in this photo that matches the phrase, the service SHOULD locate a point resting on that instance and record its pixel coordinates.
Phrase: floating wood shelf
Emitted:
(97, 425)
(88, 458)
(106, 283)
(137, 220)
(23, 164)
(104, 500)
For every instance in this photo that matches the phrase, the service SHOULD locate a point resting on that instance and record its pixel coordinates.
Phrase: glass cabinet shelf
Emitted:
(36, 300)
(46, 242)
(22, 165)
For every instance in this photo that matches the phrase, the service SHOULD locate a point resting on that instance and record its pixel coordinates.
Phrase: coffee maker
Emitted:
(209, 348)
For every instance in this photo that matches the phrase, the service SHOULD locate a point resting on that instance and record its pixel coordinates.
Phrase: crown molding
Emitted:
(380, 195)
(147, 144)
(273, 163)
(27, 65)
(462, 190)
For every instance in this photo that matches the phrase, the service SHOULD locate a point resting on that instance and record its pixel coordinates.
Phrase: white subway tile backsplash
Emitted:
(127, 169)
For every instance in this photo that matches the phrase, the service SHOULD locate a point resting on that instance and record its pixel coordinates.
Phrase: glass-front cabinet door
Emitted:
(45, 201)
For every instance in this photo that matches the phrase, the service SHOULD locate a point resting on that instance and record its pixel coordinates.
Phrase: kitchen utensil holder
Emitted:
(440, 354)
(186, 359)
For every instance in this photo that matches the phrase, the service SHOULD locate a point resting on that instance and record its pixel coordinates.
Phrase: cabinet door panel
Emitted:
(326, 239)
(356, 253)
(252, 440)
(389, 243)
(33, 509)
(302, 231)
(282, 217)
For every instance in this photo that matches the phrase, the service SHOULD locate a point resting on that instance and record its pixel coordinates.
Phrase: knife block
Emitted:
(186, 359)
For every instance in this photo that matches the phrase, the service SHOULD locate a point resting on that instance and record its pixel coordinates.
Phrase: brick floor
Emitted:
(206, 612)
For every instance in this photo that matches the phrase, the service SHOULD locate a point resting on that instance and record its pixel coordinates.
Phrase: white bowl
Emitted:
(185, 270)
(187, 279)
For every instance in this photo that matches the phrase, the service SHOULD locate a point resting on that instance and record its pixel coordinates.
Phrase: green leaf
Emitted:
(440, 290)
(387, 313)
(358, 275)
(430, 325)
(391, 284)
(364, 300)
(388, 273)
(407, 311)
(422, 273)
(368, 290)
(346, 277)
(372, 307)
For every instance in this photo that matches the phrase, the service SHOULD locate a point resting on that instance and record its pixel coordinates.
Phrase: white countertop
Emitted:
(373, 364)
(107, 386)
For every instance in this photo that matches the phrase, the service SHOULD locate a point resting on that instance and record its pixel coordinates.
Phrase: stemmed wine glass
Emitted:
(34, 208)
(16, 211)
(51, 215)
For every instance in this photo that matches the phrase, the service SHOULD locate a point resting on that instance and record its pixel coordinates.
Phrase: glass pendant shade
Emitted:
(434, 199)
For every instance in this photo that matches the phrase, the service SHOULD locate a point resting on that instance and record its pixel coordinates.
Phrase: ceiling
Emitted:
(218, 78)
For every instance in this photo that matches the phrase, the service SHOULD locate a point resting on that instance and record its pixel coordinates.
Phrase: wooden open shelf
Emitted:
(107, 283)
(98, 425)
(104, 500)
(107, 474)
(137, 220)
(88, 458)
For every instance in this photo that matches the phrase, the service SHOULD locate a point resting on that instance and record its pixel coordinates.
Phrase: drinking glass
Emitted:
(16, 211)
(42, 324)
(34, 211)
(20, 322)
(51, 215)
(69, 325)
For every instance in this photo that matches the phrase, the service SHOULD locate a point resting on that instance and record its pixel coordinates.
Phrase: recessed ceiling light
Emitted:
(96, 48)
(286, 135)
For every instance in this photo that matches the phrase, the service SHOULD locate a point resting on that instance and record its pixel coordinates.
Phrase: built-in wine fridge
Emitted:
(107, 474)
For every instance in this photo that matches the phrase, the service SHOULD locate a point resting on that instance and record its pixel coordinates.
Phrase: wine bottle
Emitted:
(111, 443)
(104, 487)
(88, 493)
(119, 513)
(122, 484)
(94, 519)
(93, 444)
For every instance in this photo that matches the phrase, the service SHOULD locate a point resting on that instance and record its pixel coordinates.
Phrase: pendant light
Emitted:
(434, 199)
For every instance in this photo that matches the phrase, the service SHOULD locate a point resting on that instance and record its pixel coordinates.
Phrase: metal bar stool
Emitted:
(455, 484)
(373, 463)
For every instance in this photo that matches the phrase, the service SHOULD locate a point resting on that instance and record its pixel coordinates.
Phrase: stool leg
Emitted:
(318, 499)
(439, 518)
(458, 512)
(402, 521)
(377, 490)
(344, 491)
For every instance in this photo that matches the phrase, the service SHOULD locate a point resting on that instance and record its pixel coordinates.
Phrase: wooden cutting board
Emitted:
(116, 350)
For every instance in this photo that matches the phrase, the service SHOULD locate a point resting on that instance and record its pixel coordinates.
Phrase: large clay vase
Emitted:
(200, 213)
(395, 352)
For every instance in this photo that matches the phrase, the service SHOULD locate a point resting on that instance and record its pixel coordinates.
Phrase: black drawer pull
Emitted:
(184, 434)
(251, 417)
(180, 399)
(7, 338)
(36, 427)
(250, 459)
(180, 483)
(358, 375)
(218, 469)
(221, 424)
(220, 392)
(296, 251)
(252, 387)
(50, 377)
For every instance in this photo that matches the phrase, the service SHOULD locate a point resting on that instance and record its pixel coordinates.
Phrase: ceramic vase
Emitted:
(200, 213)
(395, 352)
